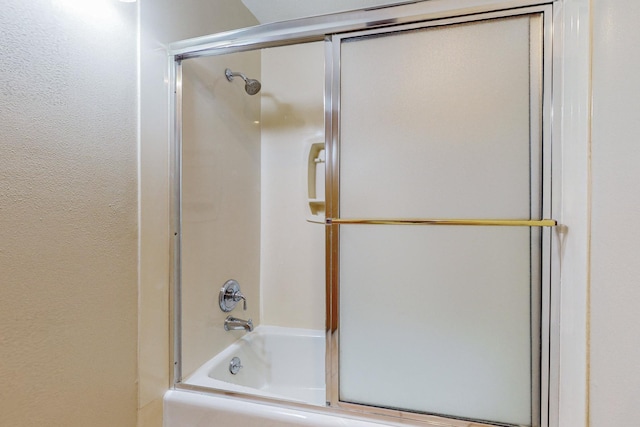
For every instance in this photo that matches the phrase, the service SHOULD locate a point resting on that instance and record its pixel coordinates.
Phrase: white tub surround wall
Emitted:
(615, 293)
(572, 32)
(292, 267)
(68, 262)
(162, 22)
(220, 201)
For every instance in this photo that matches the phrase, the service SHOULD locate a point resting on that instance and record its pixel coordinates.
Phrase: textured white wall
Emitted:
(615, 284)
(68, 265)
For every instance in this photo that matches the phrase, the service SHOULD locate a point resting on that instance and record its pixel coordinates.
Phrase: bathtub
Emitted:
(282, 363)
(277, 362)
(189, 409)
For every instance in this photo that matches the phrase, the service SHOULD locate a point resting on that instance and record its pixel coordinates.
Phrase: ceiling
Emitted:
(281, 10)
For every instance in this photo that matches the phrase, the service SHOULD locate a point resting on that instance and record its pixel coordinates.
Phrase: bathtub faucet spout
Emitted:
(234, 324)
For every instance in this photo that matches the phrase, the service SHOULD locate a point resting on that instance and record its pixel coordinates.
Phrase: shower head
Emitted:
(251, 86)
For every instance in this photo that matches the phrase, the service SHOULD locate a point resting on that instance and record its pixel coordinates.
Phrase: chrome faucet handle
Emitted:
(230, 295)
(237, 297)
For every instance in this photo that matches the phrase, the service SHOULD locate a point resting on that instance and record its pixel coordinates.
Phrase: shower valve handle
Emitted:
(237, 297)
(230, 295)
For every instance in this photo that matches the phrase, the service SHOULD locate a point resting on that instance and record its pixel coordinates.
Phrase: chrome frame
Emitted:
(550, 268)
(175, 176)
(316, 28)
(536, 153)
(331, 28)
(332, 179)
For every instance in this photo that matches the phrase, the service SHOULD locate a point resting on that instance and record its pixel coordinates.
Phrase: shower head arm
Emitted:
(231, 74)
(251, 86)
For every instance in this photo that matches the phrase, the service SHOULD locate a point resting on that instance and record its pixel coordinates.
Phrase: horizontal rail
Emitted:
(476, 222)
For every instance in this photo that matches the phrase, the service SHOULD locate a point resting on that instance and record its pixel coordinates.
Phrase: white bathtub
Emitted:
(284, 363)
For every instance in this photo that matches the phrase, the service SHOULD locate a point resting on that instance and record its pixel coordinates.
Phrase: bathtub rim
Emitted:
(179, 396)
(379, 418)
(384, 417)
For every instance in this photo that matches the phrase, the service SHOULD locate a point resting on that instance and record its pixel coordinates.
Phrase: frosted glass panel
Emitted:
(436, 319)
(436, 122)
(442, 122)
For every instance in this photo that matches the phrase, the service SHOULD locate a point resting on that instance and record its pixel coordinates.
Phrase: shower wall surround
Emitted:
(292, 271)
(220, 199)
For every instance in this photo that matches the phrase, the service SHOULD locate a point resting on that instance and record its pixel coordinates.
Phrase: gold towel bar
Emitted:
(486, 222)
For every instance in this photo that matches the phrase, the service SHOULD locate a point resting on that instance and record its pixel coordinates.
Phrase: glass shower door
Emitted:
(441, 122)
